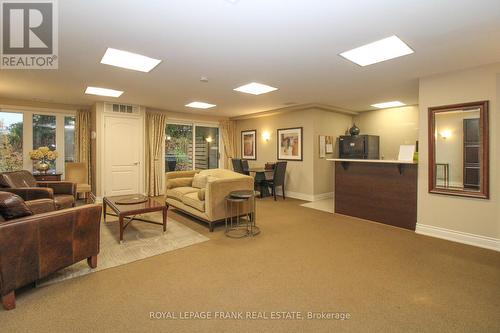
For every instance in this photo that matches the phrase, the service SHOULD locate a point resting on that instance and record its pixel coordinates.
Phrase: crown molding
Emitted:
(298, 107)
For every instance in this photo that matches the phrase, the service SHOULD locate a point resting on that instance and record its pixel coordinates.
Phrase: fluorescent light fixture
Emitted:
(381, 50)
(255, 88)
(129, 60)
(200, 105)
(385, 105)
(103, 92)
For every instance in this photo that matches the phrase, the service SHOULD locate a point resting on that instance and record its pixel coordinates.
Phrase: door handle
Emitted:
(136, 163)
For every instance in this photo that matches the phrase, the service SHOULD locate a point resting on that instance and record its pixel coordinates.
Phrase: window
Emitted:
(69, 139)
(11, 141)
(44, 134)
(189, 146)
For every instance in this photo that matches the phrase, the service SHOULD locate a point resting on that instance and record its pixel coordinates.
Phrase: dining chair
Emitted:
(245, 167)
(278, 179)
(237, 165)
(77, 173)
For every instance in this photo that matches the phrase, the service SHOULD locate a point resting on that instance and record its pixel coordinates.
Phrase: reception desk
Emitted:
(383, 191)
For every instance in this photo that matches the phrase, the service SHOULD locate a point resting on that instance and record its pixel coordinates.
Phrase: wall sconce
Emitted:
(266, 135)
(209, 139)
(446, 134)
(169, 138)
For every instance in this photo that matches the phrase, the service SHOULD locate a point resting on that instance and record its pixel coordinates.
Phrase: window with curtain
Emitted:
(69, 139)
(11, 141)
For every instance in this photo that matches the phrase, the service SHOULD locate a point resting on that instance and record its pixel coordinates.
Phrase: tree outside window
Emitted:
(11, 141)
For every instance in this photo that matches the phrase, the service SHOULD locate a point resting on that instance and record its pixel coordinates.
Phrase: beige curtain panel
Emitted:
(228, 128)
(82, 140)
(155, 154)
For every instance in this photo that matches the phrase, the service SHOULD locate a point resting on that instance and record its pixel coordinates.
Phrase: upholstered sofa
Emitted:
(37, 240)
(201, 194)
(27, 187)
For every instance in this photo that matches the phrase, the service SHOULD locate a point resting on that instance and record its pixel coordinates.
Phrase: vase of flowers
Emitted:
(43, 156)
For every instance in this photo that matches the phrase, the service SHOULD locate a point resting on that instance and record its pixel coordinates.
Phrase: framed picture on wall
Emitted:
(249, 145)
(290, 144)
(322, 146)
(329, 144)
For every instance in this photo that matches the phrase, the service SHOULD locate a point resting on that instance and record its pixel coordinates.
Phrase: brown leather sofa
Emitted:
(27, 187)
(36, 240)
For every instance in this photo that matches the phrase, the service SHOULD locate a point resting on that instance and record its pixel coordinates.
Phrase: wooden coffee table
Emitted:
(129, 211)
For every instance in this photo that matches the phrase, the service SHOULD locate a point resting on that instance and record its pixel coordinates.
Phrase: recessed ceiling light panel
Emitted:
(391, 104)
(255, 88)
(129, 60)
(103, 92)
(381, 50)
(200, 105)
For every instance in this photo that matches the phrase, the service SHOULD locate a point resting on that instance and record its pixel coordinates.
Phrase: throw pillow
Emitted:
(179, 182)
(199, 181)
(12, 206)
(201, 194)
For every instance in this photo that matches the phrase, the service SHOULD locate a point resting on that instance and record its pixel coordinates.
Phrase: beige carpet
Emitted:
(388, 279)
(141, 240)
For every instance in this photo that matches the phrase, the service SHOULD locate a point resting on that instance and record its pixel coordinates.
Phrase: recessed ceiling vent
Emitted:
(121, 108)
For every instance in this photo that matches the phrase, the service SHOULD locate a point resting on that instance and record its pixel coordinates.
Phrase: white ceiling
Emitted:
(289, 44)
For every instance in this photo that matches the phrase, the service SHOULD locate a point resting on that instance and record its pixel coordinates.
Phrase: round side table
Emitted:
(241, 224)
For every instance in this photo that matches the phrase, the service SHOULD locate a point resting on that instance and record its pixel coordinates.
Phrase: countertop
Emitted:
(370, 161)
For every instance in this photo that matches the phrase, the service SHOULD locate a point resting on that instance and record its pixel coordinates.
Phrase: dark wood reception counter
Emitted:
(384, 191)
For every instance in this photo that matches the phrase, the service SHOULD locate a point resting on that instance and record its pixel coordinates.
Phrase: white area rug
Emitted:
(141, 240)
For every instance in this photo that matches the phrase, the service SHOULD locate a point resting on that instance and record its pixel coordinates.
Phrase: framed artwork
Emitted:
(329, 144)
(249, 145)
(290, 144)
(322, 146)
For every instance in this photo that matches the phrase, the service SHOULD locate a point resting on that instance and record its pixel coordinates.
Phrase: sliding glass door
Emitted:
(207, 148)
(191, 146)
(179, 147)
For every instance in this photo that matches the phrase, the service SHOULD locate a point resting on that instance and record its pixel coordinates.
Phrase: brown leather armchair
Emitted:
(36, 240)
(27, 187)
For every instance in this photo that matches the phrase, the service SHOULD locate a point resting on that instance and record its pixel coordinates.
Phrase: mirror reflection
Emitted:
(457, 148)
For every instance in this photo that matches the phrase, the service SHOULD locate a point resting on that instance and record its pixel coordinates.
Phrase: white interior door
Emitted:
(122, 155)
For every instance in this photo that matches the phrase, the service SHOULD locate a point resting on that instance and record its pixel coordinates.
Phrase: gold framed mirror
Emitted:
(458, 150)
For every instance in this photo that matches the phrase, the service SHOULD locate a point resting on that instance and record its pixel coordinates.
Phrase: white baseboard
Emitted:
(459, 236)
(308, 197)
(298, 195)
(323, 196)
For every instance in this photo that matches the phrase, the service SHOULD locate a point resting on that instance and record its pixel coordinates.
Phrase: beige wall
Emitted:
(299, 173)
(395, 126)
(333, 124)
(312, 176)
(172, 115)
(93, 149)
(474, 216)
(39, 104)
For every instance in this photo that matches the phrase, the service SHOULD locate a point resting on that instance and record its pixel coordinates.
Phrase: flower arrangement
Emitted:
(43, 155)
